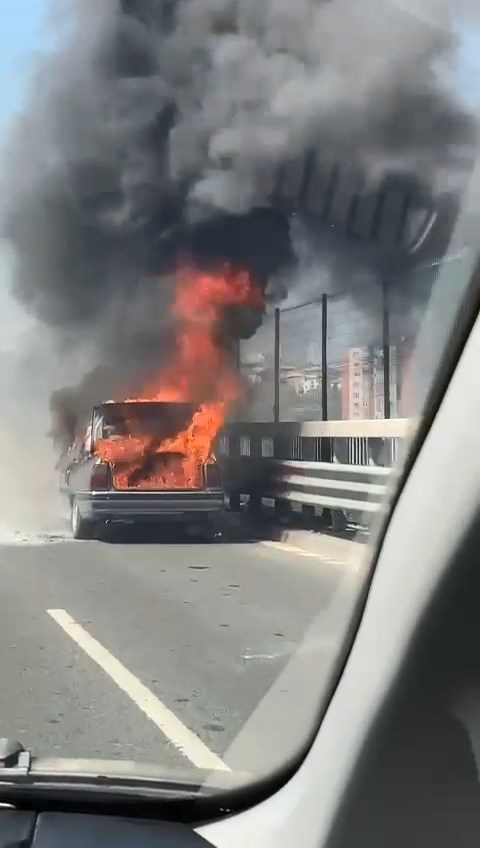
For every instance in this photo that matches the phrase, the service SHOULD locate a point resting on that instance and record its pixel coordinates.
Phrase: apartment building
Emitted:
(356, 384)
(363, 381)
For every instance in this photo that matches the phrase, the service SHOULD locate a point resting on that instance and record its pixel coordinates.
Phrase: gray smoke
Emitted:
(156, 129)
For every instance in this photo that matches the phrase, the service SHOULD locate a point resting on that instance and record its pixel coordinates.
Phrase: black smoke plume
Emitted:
(156, 131)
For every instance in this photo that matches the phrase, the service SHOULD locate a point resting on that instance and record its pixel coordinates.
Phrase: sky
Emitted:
(469, 71)
(22, 31)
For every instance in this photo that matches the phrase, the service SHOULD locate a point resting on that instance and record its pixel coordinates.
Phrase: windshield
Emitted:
(236, 243)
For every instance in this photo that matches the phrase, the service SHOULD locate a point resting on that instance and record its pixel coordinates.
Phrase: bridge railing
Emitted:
(340, 466)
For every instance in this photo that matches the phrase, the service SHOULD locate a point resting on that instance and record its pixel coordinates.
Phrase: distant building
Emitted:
(363, 382)
(406, 387)
(303, 381)
(254, 367)
(355, 391)
(356, 384)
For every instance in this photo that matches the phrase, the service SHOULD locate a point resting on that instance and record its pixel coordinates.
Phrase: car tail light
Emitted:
(213, 476)
(101, 477)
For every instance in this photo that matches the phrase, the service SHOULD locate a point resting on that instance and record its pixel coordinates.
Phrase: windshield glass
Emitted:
(235, 242)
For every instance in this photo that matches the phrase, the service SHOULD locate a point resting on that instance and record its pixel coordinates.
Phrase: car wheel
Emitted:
(82, 528)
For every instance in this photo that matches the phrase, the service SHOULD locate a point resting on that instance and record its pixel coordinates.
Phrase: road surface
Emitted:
(153, 652)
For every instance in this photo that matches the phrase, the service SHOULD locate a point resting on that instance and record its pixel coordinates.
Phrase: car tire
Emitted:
(82, 528)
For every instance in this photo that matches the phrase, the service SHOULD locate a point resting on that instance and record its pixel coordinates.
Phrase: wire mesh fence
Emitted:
(257, 366)
(300, 367)
(340, 357)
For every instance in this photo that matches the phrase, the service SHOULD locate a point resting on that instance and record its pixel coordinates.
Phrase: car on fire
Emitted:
(135, 464)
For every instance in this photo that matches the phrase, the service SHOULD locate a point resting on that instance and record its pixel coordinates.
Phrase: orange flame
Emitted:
(200, 369)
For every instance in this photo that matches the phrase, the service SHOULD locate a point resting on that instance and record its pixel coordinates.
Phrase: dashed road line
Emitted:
(184, 739)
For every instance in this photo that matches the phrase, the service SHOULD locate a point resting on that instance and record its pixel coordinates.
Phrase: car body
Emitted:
(91, 482)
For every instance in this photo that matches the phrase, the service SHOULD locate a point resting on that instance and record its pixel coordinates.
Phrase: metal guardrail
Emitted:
(333, 465)
(353, 488)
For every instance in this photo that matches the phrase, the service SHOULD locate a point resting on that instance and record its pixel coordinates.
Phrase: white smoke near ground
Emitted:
(29, 501)
(31, 509)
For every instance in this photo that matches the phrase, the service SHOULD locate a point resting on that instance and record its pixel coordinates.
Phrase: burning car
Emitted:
(144, 461)
(151, 456)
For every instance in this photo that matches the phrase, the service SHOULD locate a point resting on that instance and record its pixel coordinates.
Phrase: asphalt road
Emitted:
(153, 652)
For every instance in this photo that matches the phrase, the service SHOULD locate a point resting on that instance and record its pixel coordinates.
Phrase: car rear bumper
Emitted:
(146, 506)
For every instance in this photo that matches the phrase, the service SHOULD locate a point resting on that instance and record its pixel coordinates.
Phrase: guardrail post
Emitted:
(282, 509)
(254, 503)
(309, 513)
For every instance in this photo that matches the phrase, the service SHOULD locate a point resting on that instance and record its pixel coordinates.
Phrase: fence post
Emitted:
(386, 349)
(324, 359)
(325, 444)
(276, 400)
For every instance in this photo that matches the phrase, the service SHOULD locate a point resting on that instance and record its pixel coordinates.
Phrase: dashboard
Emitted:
(22, 829)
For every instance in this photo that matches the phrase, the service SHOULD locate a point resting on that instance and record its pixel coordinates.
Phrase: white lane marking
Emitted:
(187, 742)
(292, 549)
